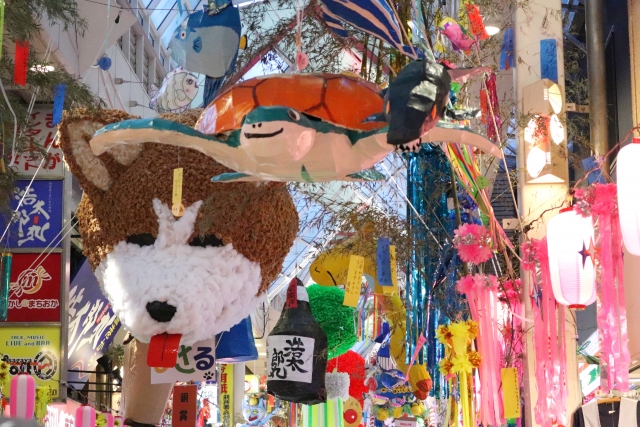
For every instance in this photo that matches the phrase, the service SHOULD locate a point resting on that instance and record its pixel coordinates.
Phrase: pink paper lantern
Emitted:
(118, 421)
(85, 416)
(572, 255)
(628, 201)
(23, 397)
(110, 419)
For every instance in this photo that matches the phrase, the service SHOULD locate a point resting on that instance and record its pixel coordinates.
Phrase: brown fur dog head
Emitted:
(196, 275)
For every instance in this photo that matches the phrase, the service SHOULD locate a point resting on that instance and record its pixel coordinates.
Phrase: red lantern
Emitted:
(572, 255)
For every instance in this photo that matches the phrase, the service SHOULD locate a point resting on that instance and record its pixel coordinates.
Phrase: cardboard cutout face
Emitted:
(196, 275)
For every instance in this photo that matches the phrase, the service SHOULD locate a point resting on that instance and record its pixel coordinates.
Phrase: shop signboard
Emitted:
(185, 406)
(38, 221)
(92, 325)
(42, 135)
(195, 363)
(34, 350)
(34, 292)
(61, 414)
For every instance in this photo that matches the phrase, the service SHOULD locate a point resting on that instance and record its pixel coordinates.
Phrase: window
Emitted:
(162, 59)
(153, 41)
(140, 18)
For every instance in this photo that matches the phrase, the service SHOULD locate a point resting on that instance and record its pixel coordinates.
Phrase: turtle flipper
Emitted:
(460, 134)
(235, 177)
(366, 175)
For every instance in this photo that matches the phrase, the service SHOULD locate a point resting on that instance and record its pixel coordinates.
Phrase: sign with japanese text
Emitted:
(290, 358)
(42, 135)
(34, 350)
(185, 405)
(38, 222)
(354, 281)
(61, 414)
(34, 292)
(225, 404)
(405, 422)
(92, 324)
(195, 363)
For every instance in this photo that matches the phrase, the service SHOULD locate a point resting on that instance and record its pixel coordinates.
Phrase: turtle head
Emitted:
(276, 135)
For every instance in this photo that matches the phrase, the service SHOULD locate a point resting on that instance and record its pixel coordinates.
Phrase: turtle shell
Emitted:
(336, 98)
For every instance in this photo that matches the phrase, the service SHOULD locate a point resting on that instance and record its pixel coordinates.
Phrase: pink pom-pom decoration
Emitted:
(473, 243)
(23, 397)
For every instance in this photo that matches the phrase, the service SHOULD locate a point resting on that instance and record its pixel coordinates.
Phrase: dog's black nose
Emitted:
(160, 311)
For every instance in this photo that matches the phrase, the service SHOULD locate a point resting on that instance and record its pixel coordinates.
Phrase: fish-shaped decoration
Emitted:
(207, 42)
(178, 89)
(457, 35)
(374, 17)
(417, 100)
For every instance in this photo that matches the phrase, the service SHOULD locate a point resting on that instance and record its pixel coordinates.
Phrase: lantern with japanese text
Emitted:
(23, 397)
(572, 255)
(628, 200)
(85, 416)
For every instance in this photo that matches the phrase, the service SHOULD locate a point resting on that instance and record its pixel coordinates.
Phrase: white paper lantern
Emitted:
(628, 195)
(571, 258)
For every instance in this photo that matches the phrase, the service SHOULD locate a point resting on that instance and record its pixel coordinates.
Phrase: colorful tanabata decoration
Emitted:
(351, 412)
(457, 35)
(416, 101)
(207, 42)
(337, 385)
(473, 243)
(237, 344)
(157, 277)
(507, 57)
(254, 411)
(23, 396)
(306, 128)
(297, 352)
(353, 364)
(374, 17)
(178, 89)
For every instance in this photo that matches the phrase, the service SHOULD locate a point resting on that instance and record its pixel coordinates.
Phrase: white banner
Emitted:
(195, 363)
(290, 358)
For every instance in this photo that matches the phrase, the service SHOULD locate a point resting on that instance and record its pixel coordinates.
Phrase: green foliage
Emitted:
(22, 17)
(336, 320)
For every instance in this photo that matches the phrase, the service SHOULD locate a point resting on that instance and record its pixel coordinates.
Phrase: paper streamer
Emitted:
(23, 397)
(21, 63)
(507, 58)
(4, 285)
(549, 59)
(58, 103)
(1, 24)
(383, 262)
(421, 341)
(510, 393)
(354, 281)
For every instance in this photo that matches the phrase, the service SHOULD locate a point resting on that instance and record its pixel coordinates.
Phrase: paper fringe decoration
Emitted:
(600, 201)
(337, 385)
(548, 337)
(21, 63)
(482, 297)
(489, 104)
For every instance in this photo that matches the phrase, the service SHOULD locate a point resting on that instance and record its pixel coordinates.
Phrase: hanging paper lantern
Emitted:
(297, 351)
(118, 421)
(628, 200)
(23, 396)
(337, 385)
(108, 418)
(85, 416)
(237, 344)
(572, 255)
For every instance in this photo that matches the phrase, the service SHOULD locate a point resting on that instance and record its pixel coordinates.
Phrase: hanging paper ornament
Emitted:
(21, 63)
(549, 60)
(297, 349)
(353, 364)
(337, 384)
(383, 262)
(302, 60)
(104, 63)
(628, 174)
(475, 21)
(335, 319)
(491, 113)
(507, 57)
(1, 24)
(352, 413)
(5, 285)
(572, 256)
(458, 36)
(85, 416)
(179, 88)
(237, 344)
(58, 102)
(473, 243)
(23, 396)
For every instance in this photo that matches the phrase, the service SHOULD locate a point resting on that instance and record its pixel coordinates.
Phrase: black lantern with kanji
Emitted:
(297, 352)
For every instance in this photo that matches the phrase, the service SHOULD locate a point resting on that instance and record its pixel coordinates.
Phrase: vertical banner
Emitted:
(225, 393)
(41, 134)
(510, 393)
(21, 63)
(58, 102)
(35, 351)
(354, 281)
(383, 261)
(38, 222)
(185, 405)
(34, 290)
(92, 325)
(549, 59)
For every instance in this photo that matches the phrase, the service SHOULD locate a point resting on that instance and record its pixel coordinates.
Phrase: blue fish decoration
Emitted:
(208, 43)
(374, 17)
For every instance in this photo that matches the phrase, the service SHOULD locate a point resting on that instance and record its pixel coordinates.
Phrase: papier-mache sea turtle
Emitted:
(284, 127)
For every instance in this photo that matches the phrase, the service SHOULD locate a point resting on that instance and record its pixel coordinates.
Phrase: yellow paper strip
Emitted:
(176, 199)
(510, 392)
(394, 273)
(354, 281)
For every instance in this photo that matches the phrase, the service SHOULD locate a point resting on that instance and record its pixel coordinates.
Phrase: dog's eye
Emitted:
(209, 240)
(145, 239)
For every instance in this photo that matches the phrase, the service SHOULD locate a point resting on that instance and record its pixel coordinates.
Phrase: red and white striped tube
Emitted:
(23, 397)
(85, 416)
(110, 418)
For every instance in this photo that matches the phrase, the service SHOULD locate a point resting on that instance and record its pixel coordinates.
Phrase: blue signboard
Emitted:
(92, 325)
(38, 221)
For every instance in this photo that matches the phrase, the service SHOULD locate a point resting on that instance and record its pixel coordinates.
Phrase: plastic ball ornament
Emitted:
(104, 63)
(350, 416)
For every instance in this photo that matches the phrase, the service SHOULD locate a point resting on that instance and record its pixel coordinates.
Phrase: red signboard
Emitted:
(185, 399)
(34, 294)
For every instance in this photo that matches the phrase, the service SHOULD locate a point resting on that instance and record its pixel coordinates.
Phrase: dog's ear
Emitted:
(96, 174)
